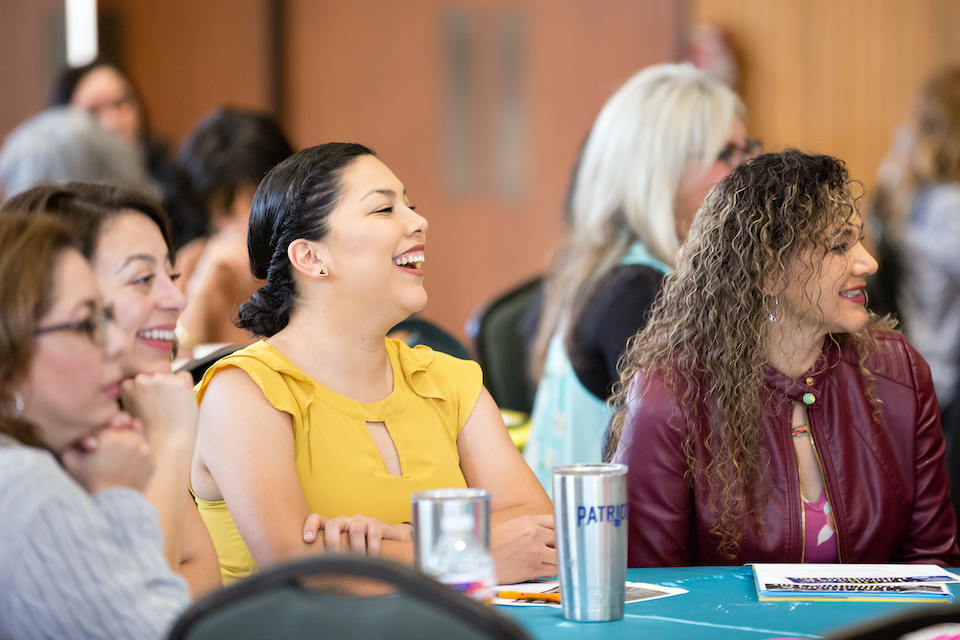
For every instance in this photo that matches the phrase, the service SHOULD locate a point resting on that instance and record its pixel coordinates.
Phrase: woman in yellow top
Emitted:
(327, 415)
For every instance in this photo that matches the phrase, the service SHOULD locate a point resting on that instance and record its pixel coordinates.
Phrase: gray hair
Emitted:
(61, 145)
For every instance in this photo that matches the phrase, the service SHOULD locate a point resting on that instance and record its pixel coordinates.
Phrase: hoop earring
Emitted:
(776, 312)
(323, 273)
(17, 412)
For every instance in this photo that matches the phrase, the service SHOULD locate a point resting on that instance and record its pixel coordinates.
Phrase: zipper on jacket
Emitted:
(803, 512)
(816, 454)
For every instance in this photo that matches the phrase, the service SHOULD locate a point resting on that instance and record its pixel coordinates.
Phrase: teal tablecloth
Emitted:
(722, 604)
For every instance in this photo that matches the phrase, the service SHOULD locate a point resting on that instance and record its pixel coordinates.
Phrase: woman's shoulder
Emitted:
(656, 393)
(257, 356)
(30, 477)
(625, 280)
(620, 301)
(423, 358)
(433, 373)
(890, 356)
(259, 362)
(20, 459)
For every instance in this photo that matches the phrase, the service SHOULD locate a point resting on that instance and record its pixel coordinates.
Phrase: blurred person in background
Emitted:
(919, 210)
(60, 145)
(109, 95)
(81, 550)
(657, 147)
(225, 156)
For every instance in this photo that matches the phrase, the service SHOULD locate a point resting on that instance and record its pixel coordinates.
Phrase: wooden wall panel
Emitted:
(373, 72)
(835, 76)
(26, 70)
(189, 57)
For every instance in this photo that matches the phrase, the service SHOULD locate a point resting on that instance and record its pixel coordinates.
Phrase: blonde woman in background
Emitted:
(658, 146)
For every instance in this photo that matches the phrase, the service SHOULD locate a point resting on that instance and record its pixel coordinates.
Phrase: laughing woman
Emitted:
(81, 550)
(767, 415)
(326, 414)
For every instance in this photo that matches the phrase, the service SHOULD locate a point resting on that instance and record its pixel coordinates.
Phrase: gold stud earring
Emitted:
(323, 273)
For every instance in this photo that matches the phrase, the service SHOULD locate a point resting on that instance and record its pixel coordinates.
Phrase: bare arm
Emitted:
(523, 540)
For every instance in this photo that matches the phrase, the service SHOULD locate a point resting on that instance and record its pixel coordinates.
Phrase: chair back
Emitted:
(416, 331)
(341, 597)
(499, 345)
(198, 366)
(896, 626)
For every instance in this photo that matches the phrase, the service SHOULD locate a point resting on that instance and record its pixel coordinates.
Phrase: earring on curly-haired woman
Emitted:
(776, 312)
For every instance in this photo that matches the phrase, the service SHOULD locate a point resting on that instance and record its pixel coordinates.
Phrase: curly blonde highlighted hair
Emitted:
(709, 332)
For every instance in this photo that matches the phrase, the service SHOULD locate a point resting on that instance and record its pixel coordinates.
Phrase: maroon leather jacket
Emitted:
(886, 483)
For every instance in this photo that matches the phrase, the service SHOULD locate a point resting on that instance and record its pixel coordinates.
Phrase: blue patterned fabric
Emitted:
(568, 422)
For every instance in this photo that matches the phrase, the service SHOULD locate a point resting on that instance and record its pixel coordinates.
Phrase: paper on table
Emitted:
(636, 592)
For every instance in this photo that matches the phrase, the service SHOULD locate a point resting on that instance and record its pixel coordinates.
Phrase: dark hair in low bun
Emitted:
(294, 200)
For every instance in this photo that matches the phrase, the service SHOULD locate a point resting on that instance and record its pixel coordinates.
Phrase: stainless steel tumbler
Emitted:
(428, 509)
(590, 505)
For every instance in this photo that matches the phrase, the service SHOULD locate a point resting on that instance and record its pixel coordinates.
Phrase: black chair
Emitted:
(500, 350)
(894, 627)
(341, 597)
(415, 331)
(199, 366)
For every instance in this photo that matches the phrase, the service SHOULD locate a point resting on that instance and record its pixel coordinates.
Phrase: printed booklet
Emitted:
(853, 582)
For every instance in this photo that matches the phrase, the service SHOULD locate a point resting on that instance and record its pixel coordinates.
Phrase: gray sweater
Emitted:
(74, 565)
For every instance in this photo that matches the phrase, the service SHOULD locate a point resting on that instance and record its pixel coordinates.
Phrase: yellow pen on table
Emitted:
(523, 595)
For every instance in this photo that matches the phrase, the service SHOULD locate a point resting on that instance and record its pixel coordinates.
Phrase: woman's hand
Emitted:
(164, 403)
(524, 548)
(363, 533)
(117, 456)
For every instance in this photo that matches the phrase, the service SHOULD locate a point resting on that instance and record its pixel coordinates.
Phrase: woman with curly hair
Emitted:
(765, 413)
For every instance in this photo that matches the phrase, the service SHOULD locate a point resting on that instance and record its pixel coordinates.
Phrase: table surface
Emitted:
(721, 603)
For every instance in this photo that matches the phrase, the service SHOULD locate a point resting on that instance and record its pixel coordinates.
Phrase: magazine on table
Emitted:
(853, 582)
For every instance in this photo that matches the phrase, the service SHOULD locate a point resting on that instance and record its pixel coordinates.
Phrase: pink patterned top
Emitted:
(820, 532)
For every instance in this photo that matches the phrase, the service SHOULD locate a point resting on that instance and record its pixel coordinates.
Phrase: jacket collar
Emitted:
(810, 381)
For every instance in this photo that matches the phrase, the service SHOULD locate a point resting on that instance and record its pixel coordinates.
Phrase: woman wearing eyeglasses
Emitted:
(127, 238)
(81, 550)
(657, 147)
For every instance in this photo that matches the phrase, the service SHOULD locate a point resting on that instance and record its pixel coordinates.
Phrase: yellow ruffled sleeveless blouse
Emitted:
(341, 470)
